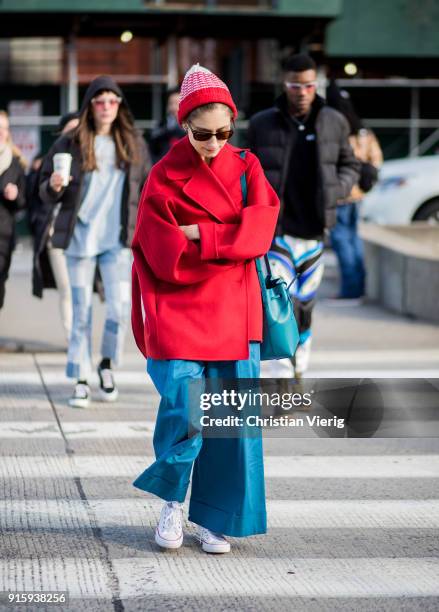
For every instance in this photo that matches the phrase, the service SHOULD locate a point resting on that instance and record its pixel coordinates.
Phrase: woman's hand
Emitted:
(192, 232)
(56, 181)
(10, 192)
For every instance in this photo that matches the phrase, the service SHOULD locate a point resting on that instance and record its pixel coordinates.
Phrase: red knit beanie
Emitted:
(200, 86)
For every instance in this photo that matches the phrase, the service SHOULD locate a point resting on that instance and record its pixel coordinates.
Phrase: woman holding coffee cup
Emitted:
(12, 198)
(105, 172)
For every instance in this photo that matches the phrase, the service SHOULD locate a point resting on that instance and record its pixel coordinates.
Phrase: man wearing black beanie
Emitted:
(303, 147)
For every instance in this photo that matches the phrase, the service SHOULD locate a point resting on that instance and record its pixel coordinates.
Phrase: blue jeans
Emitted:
(349, 251)
(228, 490)
(115, 267)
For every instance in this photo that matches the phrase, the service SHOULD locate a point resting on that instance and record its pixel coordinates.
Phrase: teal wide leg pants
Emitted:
(228, 491)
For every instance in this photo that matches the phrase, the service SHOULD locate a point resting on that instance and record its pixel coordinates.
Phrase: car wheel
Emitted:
(429, 212)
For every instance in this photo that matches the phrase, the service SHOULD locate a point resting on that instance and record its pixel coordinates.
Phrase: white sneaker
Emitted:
(169, 531)
(302, 357)
(212, 542)
(80, 397)
(107, 387)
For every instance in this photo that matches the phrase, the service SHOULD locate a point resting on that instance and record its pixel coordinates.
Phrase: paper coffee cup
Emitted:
(62, 163)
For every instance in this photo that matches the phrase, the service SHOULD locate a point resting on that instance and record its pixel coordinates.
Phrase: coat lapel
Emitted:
(208, 186)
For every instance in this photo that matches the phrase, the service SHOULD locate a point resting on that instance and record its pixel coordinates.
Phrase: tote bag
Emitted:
(280, 332)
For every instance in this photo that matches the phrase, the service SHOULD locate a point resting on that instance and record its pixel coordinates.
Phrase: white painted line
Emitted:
(388, 466)
(129, 466)
(20, 378)
(136, 361)
(77, 430)
(357, 577)
(81, 578)
(126, 378)
(354, 514)
(375, 356)
(29, 430)
(345, 372)
(196, 574)
(285, 514)
(58, 378)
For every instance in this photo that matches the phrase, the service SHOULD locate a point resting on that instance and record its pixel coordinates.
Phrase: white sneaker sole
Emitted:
(215, 548)
(79, 403)
(108, 397)
(167, 543)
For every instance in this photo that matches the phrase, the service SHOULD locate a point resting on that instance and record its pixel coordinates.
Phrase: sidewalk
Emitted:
(345, 337)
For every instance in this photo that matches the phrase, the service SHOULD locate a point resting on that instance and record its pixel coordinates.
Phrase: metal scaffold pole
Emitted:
(72, 74)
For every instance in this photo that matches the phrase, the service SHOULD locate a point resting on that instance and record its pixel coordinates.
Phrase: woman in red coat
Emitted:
(194, 273)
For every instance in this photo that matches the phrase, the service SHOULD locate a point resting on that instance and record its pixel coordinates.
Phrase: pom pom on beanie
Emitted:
(200, 86)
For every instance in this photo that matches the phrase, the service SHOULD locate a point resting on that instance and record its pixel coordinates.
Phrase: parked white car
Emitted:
(407, 190)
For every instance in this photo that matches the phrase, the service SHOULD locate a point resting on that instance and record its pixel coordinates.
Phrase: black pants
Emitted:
(5, 263)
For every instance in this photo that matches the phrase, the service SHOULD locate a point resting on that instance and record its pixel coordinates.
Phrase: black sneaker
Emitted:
(107, 387)
(81, 396)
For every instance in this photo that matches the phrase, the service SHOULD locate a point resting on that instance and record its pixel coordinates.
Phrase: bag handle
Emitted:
(244, 199)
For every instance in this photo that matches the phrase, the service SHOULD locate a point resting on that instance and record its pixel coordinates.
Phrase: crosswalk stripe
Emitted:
(127, 466)
(346, 372)
(376, 355)
(295, 514)
(133, 377)
(81, 578)
(77, 430)
(323, 357)
(246, 576)
(57, 378)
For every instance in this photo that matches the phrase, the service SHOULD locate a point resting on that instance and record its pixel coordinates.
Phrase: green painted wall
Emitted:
(389, 28)
(303, 8)
(71, 6)
(317, 8)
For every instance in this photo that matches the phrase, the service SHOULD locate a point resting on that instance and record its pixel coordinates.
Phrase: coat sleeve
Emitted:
(137, 323)
(348, 167)
(145, 160)
(20, 202)
(171, 256)
(253, 234)
(15, 175)
(46, 193)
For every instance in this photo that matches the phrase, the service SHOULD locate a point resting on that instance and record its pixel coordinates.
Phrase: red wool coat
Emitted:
(201, 299)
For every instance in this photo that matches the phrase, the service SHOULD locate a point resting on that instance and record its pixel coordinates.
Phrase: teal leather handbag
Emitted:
(280, 332)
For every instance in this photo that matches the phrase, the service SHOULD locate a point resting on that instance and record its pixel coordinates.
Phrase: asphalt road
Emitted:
(353, 522)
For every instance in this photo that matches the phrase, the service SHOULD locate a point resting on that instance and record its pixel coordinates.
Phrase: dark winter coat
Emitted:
(15, 175)
(271, 138)
(166, 134)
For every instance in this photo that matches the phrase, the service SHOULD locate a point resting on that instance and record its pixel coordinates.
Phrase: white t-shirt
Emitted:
(98, 224)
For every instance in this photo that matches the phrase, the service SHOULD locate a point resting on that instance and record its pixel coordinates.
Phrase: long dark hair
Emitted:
(341, 101)
(122, 130)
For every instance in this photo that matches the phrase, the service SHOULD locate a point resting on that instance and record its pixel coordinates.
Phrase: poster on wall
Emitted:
(25, 118)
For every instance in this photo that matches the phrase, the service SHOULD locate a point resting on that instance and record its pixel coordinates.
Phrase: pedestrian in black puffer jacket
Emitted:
(12, 198)
(272, 136)
(304, 149)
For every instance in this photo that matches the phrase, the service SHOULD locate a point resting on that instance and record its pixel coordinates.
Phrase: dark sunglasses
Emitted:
(203, 136)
